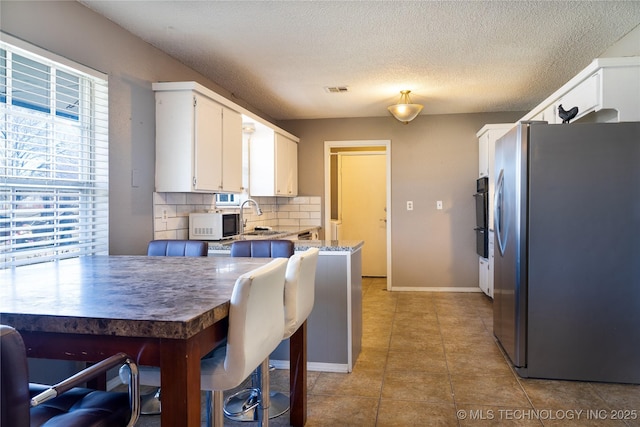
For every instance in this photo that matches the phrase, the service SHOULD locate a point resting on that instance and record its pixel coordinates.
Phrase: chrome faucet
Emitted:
(242, 220)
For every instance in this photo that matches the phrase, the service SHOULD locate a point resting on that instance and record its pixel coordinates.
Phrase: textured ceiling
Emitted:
(455, 56)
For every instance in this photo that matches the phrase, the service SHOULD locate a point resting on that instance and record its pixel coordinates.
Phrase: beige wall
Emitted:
(69, 29)
(432, 158)
(629, 45)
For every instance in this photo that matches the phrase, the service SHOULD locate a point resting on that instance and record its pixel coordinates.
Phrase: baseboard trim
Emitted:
(443, 289)
(313, 366)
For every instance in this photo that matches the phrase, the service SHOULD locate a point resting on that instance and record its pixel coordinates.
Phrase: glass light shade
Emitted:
(404, 110)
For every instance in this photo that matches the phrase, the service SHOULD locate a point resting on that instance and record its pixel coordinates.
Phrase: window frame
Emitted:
(57, 207)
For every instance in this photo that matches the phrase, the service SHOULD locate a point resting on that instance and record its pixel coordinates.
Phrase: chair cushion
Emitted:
(177, 248)
(263, 248)
(81, 407)
(256, 326)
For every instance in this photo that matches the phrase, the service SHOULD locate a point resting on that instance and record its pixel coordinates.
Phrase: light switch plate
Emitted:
(439, 205)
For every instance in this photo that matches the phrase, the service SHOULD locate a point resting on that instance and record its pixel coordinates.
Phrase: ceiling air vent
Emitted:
(336, 89)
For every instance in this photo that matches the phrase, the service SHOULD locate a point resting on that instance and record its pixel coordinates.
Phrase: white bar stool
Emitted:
(299, 294)
(256, 327)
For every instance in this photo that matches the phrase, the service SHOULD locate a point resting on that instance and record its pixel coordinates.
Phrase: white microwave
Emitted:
(213, 225)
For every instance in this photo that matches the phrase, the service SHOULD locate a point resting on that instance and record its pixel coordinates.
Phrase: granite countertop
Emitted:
(302, 245)
(272, 233)
(138, 296)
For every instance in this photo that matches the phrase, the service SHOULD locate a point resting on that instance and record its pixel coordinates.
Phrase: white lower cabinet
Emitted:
(483, 274)
(485, 270)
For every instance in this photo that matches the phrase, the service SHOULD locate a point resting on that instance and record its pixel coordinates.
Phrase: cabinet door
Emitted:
(174, 141)
(490, 265)
(483, 155)
(286, 166)
(585, 96)
(208, 145)
(293, 169)
(231, 151)
(262, 163)
(483, 275)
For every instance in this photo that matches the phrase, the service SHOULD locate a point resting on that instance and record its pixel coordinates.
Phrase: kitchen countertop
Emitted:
(133, 296)
(301, 245)
(273, 233)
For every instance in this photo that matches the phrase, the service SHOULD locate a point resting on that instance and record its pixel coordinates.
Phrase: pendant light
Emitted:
(404, 110)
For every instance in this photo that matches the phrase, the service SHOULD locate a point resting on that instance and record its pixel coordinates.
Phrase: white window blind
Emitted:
(54, 163)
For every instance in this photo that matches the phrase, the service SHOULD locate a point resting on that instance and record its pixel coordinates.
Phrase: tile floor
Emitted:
(430, 359)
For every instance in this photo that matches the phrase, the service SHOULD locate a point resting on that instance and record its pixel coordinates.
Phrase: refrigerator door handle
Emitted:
(498, 214)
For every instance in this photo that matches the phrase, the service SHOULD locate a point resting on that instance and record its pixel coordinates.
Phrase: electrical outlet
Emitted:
(409, 205)
(439, 205)
(164, 215)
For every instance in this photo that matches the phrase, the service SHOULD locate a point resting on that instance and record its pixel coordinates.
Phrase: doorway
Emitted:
(358, 198)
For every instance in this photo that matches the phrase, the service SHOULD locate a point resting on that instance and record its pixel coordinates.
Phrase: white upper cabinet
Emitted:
(483, 155)
(273, 165)
(231, 151)
(198, 143)
(207, 144)
(606, 91)
(286, 182)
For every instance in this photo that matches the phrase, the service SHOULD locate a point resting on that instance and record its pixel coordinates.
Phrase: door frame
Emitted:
(386, 143)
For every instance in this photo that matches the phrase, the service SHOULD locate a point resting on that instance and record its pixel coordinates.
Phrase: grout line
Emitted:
(446, 361)
(386, 361)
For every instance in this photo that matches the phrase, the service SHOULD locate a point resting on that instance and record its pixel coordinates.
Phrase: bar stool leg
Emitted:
(265, 398)
(215, 416)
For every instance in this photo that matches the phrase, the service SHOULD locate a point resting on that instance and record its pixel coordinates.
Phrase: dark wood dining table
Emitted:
(162, 311)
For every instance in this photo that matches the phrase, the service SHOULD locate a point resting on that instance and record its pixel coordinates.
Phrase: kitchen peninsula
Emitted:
(334, 326)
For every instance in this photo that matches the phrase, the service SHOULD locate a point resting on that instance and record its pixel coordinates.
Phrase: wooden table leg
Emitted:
(180, 381)
(298, 376)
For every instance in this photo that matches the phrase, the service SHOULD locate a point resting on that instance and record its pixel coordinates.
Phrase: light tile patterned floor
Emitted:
(430, 359)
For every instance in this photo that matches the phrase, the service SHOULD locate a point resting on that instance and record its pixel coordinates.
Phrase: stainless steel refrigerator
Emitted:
(567, 257)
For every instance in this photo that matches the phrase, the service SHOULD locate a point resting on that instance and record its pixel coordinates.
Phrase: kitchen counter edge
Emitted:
(302, 245)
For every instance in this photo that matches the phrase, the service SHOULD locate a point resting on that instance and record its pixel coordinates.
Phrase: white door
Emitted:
(362, 188)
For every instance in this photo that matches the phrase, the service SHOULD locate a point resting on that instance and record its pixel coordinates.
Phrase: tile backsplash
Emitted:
(171, 212)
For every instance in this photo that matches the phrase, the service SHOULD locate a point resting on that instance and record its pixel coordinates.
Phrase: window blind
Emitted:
(54, 161)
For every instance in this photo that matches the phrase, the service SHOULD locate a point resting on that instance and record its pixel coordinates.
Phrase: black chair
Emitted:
(65, 404)
(243, 405)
